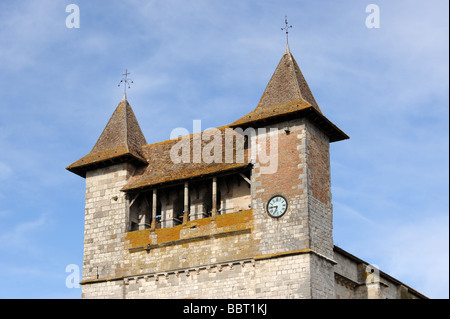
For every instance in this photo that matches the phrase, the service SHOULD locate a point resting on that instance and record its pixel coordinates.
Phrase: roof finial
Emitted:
(286, 28)
(126, 81)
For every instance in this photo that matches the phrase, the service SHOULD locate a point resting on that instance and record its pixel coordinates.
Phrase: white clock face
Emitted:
(277, 206)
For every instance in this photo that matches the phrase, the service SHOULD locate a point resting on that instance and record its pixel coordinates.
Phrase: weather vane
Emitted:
(126, 81)
(287, 27)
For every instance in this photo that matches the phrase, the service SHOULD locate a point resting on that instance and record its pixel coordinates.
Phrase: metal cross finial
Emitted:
(287, 27)
(126, 81)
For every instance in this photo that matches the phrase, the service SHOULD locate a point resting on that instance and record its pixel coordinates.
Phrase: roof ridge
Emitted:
(291, 57)
(301, 80)
(188, 135)
(121, 137)
(286, 92)
(126, 122)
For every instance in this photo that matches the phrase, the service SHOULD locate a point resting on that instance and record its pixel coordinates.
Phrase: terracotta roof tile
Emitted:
(162, 169)
(286, 96)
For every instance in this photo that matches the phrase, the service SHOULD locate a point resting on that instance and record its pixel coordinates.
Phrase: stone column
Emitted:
(154, 206)
(186, 203)
(214, 197)
(143, 220)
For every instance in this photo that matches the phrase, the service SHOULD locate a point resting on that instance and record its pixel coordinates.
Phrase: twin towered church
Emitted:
(163, 224)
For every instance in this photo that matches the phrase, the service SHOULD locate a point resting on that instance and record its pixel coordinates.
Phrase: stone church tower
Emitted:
(254, 226)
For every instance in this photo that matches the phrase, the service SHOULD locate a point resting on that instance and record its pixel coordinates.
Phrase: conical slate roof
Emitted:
(287, 91)
(287, 85)
(288, 95)
(121, 140)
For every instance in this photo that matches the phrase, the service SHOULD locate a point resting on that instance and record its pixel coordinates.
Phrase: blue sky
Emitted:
(210, 60)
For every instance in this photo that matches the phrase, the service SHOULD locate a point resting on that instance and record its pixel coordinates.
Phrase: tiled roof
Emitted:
(259, 114)
(162, 169)
(287, 91)
(121, 140)
(286, 96)
(287, 84)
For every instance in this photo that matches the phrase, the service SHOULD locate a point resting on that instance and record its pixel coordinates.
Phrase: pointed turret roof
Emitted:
(287, 95)
(287, 85)
(120, 141)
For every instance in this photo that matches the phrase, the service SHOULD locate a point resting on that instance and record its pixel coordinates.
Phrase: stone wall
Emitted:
(106, 220)
(115, 257)
(319, 191)
(281, 277)
(289, 180)
(303, 178)
(356, 279)
(245, 254)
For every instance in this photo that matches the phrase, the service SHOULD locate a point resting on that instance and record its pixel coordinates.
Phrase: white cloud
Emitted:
(419, 252)
(5, 171)
(415, 252)
(212, 60)
(26, 30)
(347, 212)
(22, 236)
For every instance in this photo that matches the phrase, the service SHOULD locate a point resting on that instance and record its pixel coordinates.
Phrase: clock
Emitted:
(277, 206)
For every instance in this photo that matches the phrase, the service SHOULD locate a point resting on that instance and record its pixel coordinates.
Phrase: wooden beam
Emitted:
(154, 207)
(134, 199)
(214, 197)
(186, 203)
(245, 178)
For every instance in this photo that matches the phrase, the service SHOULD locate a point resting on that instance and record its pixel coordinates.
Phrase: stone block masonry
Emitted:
(219, 255)
(203, 231)
(106, 220)
(284, 276)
